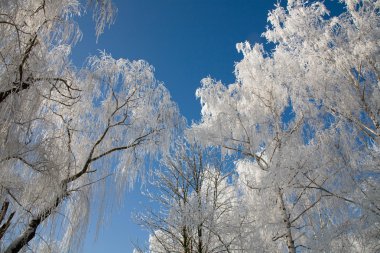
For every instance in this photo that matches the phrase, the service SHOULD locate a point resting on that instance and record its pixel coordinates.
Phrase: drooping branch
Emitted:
(21, 85)
(318, 186)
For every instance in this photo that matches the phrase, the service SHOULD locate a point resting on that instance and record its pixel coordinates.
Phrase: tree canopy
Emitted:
(285, 159)
(305, 117)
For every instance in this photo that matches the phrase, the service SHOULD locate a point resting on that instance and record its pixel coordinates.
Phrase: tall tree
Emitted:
(306, 116)
(64, 131)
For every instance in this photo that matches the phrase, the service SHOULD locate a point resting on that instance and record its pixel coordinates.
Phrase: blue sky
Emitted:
(185, 40)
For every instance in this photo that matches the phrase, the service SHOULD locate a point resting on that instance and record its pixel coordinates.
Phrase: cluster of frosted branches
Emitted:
(303, 122)
(199, 208)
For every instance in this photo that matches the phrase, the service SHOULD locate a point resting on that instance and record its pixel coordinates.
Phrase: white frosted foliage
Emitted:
(304, 122)
(69, 138)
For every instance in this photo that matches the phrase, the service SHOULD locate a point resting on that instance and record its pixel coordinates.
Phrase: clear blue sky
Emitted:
(185, 40)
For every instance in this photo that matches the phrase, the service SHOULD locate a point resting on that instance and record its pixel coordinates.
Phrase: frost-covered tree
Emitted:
(65, 131)
(306, 118)
(198, 208)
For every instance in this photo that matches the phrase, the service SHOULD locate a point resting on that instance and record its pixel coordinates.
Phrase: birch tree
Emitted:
(305, 116)
(66, 132)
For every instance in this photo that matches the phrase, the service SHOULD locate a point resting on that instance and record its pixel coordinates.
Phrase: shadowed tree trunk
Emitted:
(7, 223)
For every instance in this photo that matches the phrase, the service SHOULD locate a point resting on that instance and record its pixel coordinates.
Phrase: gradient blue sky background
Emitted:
(185, 40)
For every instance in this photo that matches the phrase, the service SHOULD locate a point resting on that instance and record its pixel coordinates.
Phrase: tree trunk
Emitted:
(200, 241)
(186, 241)
(30, 231)
(25, 237)
(285, 216)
